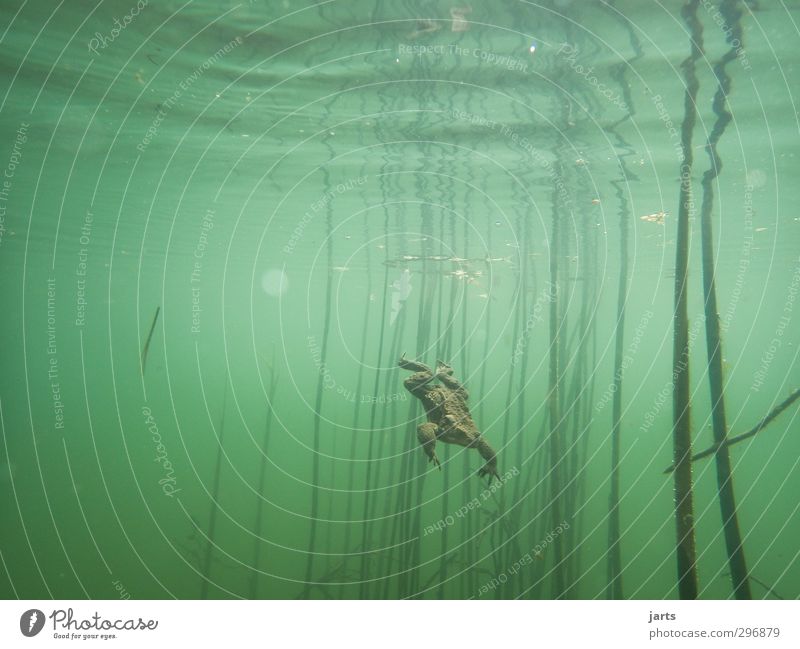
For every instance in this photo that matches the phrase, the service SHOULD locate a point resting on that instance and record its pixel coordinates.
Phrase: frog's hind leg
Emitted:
(488, 454)
(426, 434)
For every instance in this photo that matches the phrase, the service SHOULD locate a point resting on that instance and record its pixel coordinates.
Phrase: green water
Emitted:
(307, 191)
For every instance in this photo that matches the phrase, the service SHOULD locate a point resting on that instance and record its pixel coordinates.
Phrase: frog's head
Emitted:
(418, 384)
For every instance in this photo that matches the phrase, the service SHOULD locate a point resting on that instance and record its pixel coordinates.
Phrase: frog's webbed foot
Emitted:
(489, 469)
(426, 434)
(488, 454)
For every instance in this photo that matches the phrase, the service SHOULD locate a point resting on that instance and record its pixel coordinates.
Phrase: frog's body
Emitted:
(449, 419)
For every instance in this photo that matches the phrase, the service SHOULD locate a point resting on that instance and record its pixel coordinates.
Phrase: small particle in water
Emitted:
(656, 217)
(497, 223)
(756, 178)
(532, 48)
(580, 162)
(595, 201)
(760, 230)
(485, 296)
(340, 269)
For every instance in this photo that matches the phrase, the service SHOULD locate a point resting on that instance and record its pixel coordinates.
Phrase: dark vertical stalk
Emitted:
(427, 291)
(212, 520)
(315, 472)
(473, 551)
(681, 432)
(614, 587)
(357, 405)
(273, 384)
(727, 499)
(143, 358)
(364, 586)
(506, 553)
(554, 411)
(445, 338)
(402, 446)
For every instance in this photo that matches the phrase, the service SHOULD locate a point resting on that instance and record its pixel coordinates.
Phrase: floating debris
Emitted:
(424, 26)
(656, 217)
(460, 23)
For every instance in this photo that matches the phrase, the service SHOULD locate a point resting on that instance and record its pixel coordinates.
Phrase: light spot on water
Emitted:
(756, 178)
(274, 282)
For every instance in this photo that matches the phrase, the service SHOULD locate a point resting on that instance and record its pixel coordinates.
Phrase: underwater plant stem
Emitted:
(768, 588)
(366, 525)
(445, 340)
(614, 588)
(761, 425)
(356, 412)
(273, 384)
(727, 499)
(315, 472)
(554, 410)
(143, 359)
(681, 431)
(212, 520)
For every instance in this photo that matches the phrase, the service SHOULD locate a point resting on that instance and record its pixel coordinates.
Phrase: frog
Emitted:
(448, 416)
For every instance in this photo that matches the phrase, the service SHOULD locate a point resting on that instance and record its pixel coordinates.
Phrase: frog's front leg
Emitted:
(414, 366)
(426, 434)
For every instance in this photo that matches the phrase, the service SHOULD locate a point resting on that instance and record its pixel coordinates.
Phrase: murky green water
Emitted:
(302, 193)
